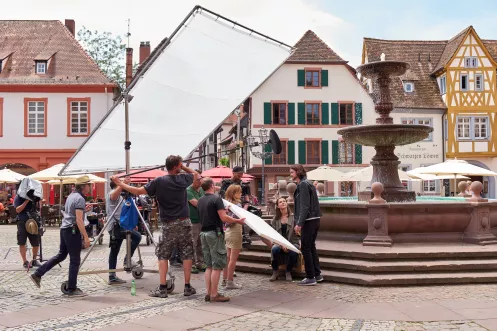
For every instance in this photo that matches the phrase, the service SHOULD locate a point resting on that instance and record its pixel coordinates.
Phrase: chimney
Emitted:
(129, 65)
(144, 51)
(71, 26)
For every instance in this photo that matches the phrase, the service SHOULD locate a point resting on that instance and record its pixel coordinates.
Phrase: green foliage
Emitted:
(224, 162)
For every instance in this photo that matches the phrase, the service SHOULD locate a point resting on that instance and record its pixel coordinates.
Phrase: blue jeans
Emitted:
(136, 238)
(277, 251)
(69, 244)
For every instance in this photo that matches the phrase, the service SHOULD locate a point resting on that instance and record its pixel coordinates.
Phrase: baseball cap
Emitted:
(237, 169)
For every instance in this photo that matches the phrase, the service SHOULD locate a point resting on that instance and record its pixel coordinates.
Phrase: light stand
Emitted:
(263, 140)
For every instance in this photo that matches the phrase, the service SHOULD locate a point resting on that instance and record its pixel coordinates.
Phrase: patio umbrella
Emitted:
(145, 176)
(10, 177)
(223, 172)
(325, 173)
(71, 180)
(433, 177)
(366, 175)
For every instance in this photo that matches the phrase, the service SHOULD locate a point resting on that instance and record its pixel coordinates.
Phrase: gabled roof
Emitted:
(451, 47)
(28, 41)
(310, 48)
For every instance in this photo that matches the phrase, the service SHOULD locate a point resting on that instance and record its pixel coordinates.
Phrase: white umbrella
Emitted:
(10, 177)
(433, 177)
(72, 180)
(366, 174)
(325, 173)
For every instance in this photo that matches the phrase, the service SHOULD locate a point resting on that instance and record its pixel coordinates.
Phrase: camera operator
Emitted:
(23, 208)
(116, 233)
(72, 230)
(236, 179)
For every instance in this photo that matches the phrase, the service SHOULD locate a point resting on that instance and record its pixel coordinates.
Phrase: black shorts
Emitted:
(23, 235)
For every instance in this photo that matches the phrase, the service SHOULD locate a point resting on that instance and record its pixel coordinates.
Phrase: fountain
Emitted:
(385, 135)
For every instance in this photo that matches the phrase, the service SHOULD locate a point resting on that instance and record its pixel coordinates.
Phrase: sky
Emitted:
(341, 24)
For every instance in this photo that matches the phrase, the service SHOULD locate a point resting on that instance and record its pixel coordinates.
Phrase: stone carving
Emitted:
(290, 188)
(476, 188)
(378, 226)
(463, 187)
(479, 230)
(320, 188)
(377, 189)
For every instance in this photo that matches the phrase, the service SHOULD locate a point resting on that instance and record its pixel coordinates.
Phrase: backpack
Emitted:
(129, 215)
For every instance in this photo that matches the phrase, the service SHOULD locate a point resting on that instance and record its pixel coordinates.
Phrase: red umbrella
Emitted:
(145, 176)
(223, 172)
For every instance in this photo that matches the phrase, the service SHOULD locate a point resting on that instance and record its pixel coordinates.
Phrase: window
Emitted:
(463, 127)
(480, 127)
(473, 128)
(312, 113)
(471, 62)
(409, 87)
(280, 158)
(346, 189)
(41, 67)
(419, 121)
(443, 85)
(429, 186)
(478, 82)
(464, 82)
(346, 113)
(312, 78)
(346, 153)
(36, 118)
(313, 152)
(279, 113)
(79, 117)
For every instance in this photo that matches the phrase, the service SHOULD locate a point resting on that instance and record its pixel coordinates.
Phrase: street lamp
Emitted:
(252, 142)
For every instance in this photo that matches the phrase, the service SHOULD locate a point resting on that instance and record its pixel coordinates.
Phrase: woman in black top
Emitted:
(283, 223)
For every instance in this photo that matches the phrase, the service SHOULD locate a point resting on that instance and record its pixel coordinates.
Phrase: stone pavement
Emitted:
(259, 305)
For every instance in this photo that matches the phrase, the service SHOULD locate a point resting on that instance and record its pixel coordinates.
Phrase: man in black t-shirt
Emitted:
(212, 215)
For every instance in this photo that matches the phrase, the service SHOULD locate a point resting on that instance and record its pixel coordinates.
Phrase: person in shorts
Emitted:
(23, 208)
(212, 215)
(170, 191)
(194, 193)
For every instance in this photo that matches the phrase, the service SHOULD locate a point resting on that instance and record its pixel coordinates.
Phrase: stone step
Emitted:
(387, 279)
(391, 266)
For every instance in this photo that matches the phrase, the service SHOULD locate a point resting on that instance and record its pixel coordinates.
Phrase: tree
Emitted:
(224, 161)
(107, 51)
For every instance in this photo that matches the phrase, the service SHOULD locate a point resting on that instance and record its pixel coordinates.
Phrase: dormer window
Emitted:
(41, 67)
(470, 62)
(408, 87)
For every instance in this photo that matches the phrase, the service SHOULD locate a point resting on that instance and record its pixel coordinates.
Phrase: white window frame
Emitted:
(464, 123)
(435, 183)
(41, 67)
(481, 82)
(78, 104)
(473, 121)
(471, 62)
(419, 121)
(443, 85)
(467, 82)
(406, 89)
(342, 145)
(37, 109)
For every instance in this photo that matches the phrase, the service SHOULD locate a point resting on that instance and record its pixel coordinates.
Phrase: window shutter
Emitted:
(269, 160)
(358, 154)
(324, 77)
(301, 77)
(302, 152)
(334, 113)
(301, 112)
(358, 113)
(334, 151)
(291, 113)
(267, 113)
(324, 152)
(291, 151)
(325, 113)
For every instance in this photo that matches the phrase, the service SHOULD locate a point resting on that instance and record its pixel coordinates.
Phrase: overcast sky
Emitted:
(340, 23)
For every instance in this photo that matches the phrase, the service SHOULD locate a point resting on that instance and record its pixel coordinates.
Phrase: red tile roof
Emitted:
(27, 41)
(310, 48)
(451, 46)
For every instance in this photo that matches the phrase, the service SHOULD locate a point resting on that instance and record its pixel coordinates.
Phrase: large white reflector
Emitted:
(210, 66)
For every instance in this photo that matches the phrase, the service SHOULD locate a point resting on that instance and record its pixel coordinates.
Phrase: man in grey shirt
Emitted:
(72, 231)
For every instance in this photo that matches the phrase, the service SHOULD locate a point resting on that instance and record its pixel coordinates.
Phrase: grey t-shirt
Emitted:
(74, 201)
(110, 206)
(170, 191)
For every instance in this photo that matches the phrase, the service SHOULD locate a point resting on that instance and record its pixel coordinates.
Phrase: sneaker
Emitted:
(230, 285)
(319, 279)
(307, 282)
(189, 291)
(158, 293)
(75, 293)
(220, 298)
(35, 264)
(26, 264)
(274, 277)
(133, 264)
(114, 280)
(288, 276)
(36, 280)
(223, 283)
(195, 270)
(234, 274)
(207, 298)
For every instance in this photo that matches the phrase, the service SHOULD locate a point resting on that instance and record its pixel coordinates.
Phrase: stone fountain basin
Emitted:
(385, 134)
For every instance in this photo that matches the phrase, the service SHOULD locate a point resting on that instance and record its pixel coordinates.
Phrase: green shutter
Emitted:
(324, 77)
(291, 152)
(325, 113)
(334, 113)
(291, 113)
(301, 77)
(324, 152)
(334, 151)
(269, 159)
(358, 154)
(301, 113)
(267, 113)
(302, 153)
(358, 113)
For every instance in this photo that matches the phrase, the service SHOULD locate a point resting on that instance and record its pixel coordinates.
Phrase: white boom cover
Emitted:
(260, 226)
(210, 67)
